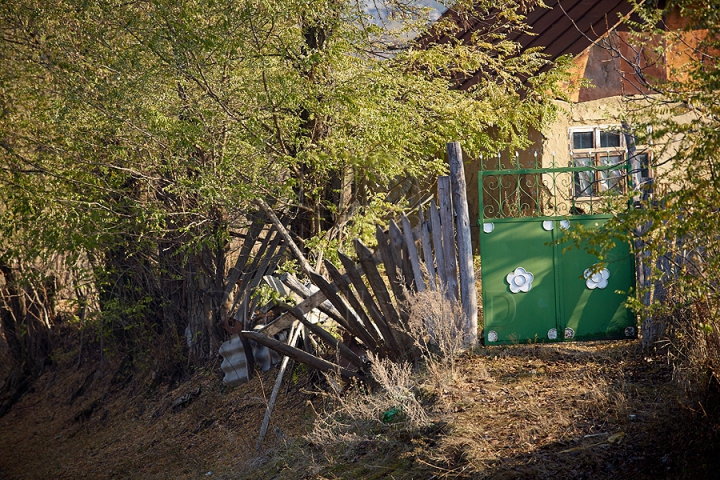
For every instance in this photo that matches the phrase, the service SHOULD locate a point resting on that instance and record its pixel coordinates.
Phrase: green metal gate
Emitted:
(535, 288)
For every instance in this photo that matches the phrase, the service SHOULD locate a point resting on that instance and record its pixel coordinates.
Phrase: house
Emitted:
(607, 75)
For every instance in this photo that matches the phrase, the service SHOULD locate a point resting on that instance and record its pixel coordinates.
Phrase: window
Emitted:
(644, 158)
(597, 147)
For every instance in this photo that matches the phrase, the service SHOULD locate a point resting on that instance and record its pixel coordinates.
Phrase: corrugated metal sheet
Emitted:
(240, 357)
(236, 364)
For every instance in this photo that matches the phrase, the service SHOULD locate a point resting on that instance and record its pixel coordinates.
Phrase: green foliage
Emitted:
(266, 294)
(136, 134)
(157, 118)
(679, 221)
(676, 220)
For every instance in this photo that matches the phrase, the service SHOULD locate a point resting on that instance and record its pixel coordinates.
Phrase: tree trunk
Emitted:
(204, 289)
(25, 319)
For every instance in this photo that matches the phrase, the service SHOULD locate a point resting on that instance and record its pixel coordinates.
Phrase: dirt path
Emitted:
(601, 410)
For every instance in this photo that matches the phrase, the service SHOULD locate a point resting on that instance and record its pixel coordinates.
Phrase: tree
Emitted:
(135, 135)
(674, 224)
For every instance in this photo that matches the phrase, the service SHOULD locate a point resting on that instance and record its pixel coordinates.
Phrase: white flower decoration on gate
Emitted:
(597, 279)
(520, 280)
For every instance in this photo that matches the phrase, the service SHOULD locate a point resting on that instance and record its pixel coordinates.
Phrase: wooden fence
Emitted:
(368, 299)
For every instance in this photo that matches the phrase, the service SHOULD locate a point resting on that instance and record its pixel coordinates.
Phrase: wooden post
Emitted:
(650, 327)
(276, 389)
(464, 242)
(448, 236)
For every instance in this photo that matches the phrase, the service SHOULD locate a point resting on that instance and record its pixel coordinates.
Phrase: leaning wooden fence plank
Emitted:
(468, 292)
(437, 243)
(304, 264)
(448, 234)
(296, 286)
(350, 322)
(297, 354)
(343, 285)
(427, 250)
(413, 254)
(272, 250)
(237, 270)
(399, 251)
(285, 320)
(326, 337)
(276, 390)
(249, 272)
(378, 286)
(367, 300)
(391, 268)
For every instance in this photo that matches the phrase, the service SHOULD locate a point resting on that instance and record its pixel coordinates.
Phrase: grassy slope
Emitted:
(599, 410)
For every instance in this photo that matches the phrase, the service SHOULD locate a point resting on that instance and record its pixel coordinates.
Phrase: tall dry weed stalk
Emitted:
(359, 415)
(694, 341)
(436, 324)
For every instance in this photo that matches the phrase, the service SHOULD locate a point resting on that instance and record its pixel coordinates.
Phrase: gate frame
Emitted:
(546, 182)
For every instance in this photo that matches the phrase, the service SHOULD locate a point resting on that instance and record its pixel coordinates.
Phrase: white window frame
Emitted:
(599, 183)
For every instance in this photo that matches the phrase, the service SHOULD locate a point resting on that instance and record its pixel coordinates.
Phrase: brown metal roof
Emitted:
(567, 27)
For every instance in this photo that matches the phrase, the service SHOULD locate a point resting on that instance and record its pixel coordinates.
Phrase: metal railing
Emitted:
(553, 191)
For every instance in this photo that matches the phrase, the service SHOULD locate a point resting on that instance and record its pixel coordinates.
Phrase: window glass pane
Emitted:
(583, 180)
(582, 140)
(610, 159)
(609, 139)
(644, 165)
(612, 179)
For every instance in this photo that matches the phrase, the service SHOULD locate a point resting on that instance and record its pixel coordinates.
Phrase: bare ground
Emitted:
(593, 410)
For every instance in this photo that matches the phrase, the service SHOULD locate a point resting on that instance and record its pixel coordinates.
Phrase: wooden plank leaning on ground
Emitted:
(298, 355)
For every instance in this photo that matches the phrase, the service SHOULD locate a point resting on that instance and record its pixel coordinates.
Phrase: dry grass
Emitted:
(596, 410)
(358, 417)
(590, 410)
(435, 323)
(693, 347)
